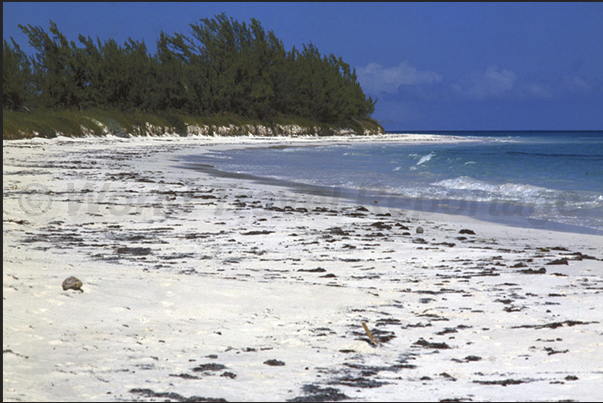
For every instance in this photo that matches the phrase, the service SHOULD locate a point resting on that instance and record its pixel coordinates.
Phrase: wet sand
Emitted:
(201, 286)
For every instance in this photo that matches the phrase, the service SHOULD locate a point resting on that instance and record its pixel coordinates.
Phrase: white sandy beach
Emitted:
(203, 287)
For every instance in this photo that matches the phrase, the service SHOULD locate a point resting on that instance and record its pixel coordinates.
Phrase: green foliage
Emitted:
(177, 123)
(115, 128)
(224, 68)
(93, 121)
(47, 123)
(16, 77)
(58, 70)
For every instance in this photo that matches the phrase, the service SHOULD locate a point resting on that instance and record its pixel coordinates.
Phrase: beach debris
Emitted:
(185, 376)
(448, 376)
(559, 261)
(381, 225)
(531, 271)
(449, 244)
(174, 396)
(317, 270)
(468, 358)
(503, 382)
(337, 231)
(315, 393)
(581, 256)
(419, 230)
(209, 367)
(135, 251)
(426, 344)
(274, 363)
(72, 283)
(369, 334)
(555, 325)
(262, 232)
(12, 352)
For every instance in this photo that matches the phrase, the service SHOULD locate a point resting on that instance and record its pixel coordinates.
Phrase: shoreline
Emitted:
(197, 285)
(497, 212)
(488, 212)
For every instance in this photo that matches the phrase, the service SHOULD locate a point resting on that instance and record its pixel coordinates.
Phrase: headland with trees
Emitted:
(225, 73)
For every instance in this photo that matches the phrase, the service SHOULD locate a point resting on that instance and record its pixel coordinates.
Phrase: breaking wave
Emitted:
(422, 159)
(473, 189)
(511, 190)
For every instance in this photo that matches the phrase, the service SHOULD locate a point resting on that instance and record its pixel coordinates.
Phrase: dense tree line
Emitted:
(223, 67)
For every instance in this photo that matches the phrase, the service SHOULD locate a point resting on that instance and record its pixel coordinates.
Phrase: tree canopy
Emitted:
(222, 67)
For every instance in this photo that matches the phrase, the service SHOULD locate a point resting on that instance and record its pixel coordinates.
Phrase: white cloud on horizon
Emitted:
(405, 82)
(548, 88)
(497, 83)
(493, 83)
(374, 78)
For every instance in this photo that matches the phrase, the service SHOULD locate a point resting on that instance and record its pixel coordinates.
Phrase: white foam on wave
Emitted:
(484, 191)
(514, 190)
(425, 158)
(422, 159)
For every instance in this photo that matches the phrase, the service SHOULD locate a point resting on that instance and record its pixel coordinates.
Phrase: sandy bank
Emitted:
(207, 287)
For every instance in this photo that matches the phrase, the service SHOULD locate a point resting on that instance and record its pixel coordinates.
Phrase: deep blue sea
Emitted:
(550, 180)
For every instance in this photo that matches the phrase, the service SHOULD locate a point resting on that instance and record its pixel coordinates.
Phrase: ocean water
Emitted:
(549, 180)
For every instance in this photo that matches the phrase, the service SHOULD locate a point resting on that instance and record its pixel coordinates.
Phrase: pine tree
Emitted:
(58, 71)
(17, 85)
(224, 67)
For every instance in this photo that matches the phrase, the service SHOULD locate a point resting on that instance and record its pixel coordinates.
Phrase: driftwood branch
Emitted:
(370, 335)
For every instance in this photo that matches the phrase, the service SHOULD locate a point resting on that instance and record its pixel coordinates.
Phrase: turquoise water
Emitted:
(533, 179)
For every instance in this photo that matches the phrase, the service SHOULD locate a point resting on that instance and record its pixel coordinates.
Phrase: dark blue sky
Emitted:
(432, 66)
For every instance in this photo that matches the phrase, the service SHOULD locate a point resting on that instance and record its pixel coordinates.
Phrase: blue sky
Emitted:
(431, 66)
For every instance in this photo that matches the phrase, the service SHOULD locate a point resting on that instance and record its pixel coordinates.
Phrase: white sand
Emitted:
(173, 281)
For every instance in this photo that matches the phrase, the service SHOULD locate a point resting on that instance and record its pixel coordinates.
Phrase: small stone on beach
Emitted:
(419, 230)
(72, 283)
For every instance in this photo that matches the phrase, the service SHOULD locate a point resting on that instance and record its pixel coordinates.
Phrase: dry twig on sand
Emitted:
(370, 335)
